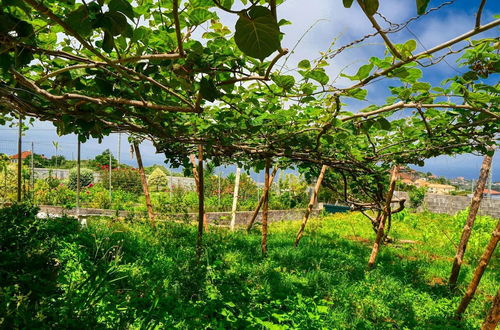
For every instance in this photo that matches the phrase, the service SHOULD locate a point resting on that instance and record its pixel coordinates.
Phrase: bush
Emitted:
(59, 195)
(126, 179)
(86, 178)
(417, 195)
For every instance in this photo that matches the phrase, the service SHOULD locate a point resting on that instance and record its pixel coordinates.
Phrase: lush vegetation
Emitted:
(115, 274)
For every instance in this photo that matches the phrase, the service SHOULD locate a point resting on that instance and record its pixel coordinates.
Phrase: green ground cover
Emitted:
(125, 275)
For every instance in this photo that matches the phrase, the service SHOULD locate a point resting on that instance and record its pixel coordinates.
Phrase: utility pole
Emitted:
(235, 197)
(32, 176)
(490, 181)
(19, 158)
(119, 148)
(78, 183)
(218, 191)
(110, 167)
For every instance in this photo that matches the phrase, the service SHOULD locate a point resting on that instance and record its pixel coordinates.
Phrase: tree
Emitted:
(86, 178)
(102, 160)
(39, 161)
(158, 179)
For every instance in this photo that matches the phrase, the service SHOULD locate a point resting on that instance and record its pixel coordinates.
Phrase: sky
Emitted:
(328, 22)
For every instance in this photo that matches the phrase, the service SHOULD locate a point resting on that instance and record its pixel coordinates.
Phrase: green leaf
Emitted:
(208, 89)
(347, 3)
(422, 6)
(112, 21)
(357, 93)
(304, 64)
(122, 6)
(371, 6)
(5, 61)
(318, 75)
(284, 22)
(284, 81)
(108, 43)
(198, 16)
(79, 21)
(363, 72)
(384, 124)
(421, 87)
(257, 33)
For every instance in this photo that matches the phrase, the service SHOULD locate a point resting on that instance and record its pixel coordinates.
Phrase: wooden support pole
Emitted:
(385, 213)
(261, 201)
(192, 158)
(481, 267)
(201, 202)
(471, 218)
(235, 197)
(145, 187)
(19, 158)
(265, 207)
(310, 206)
(78, 179)
(493, 317)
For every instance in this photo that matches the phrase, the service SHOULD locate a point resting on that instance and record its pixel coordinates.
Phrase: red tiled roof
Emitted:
(492, 192)
(24, 155)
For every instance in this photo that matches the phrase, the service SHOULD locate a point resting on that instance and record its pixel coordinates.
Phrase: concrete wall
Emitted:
(218, 218)
(452, 204)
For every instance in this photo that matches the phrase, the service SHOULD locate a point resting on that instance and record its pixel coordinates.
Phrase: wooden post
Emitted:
(19, 158)
(261, 201)
(197, 184)
(201, 201)
(493, 317)
(110, 173)
(235, 197)
(474, 207)
(310, 206)
(481, 267)
(265, 207)
(78, 182)
(32, 172)
(385, 213)
(145, 187)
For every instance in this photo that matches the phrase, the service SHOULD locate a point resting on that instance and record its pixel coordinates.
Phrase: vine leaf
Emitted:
(257, 33)
(284, 81)
(208, 89)
(347, 3)
(79, 21)
(122, 6)
(422, 6)
(371, 6)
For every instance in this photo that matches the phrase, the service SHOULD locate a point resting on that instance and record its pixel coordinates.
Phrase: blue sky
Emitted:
(333, 22)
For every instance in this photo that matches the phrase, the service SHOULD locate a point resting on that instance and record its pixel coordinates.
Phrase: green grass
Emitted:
(124, 275)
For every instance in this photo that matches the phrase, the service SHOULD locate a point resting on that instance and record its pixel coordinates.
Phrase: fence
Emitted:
(452, 204)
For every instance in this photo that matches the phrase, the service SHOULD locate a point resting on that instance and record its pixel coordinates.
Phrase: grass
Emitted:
(124, 275)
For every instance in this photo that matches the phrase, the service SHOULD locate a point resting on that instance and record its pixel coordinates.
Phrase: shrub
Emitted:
(126, 179)
(417, 195)
(158, 179)
(86, 178)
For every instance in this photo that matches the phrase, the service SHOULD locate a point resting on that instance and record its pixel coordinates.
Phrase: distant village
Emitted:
(444, 186)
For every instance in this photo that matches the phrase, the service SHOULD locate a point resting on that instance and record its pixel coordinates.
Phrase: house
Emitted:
(440, 189)
(435, 188)
(493, 193)
(24, 155)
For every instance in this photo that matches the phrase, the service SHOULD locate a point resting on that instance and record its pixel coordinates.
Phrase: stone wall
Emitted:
(218, 218)
(452, 204)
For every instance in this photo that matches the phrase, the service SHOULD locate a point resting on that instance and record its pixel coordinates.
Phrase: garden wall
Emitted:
(452, 204)
(221, 218)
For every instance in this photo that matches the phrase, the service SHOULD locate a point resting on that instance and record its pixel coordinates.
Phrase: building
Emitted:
(491, 193)
(440, 189)
(24, 155)
(435, 188)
